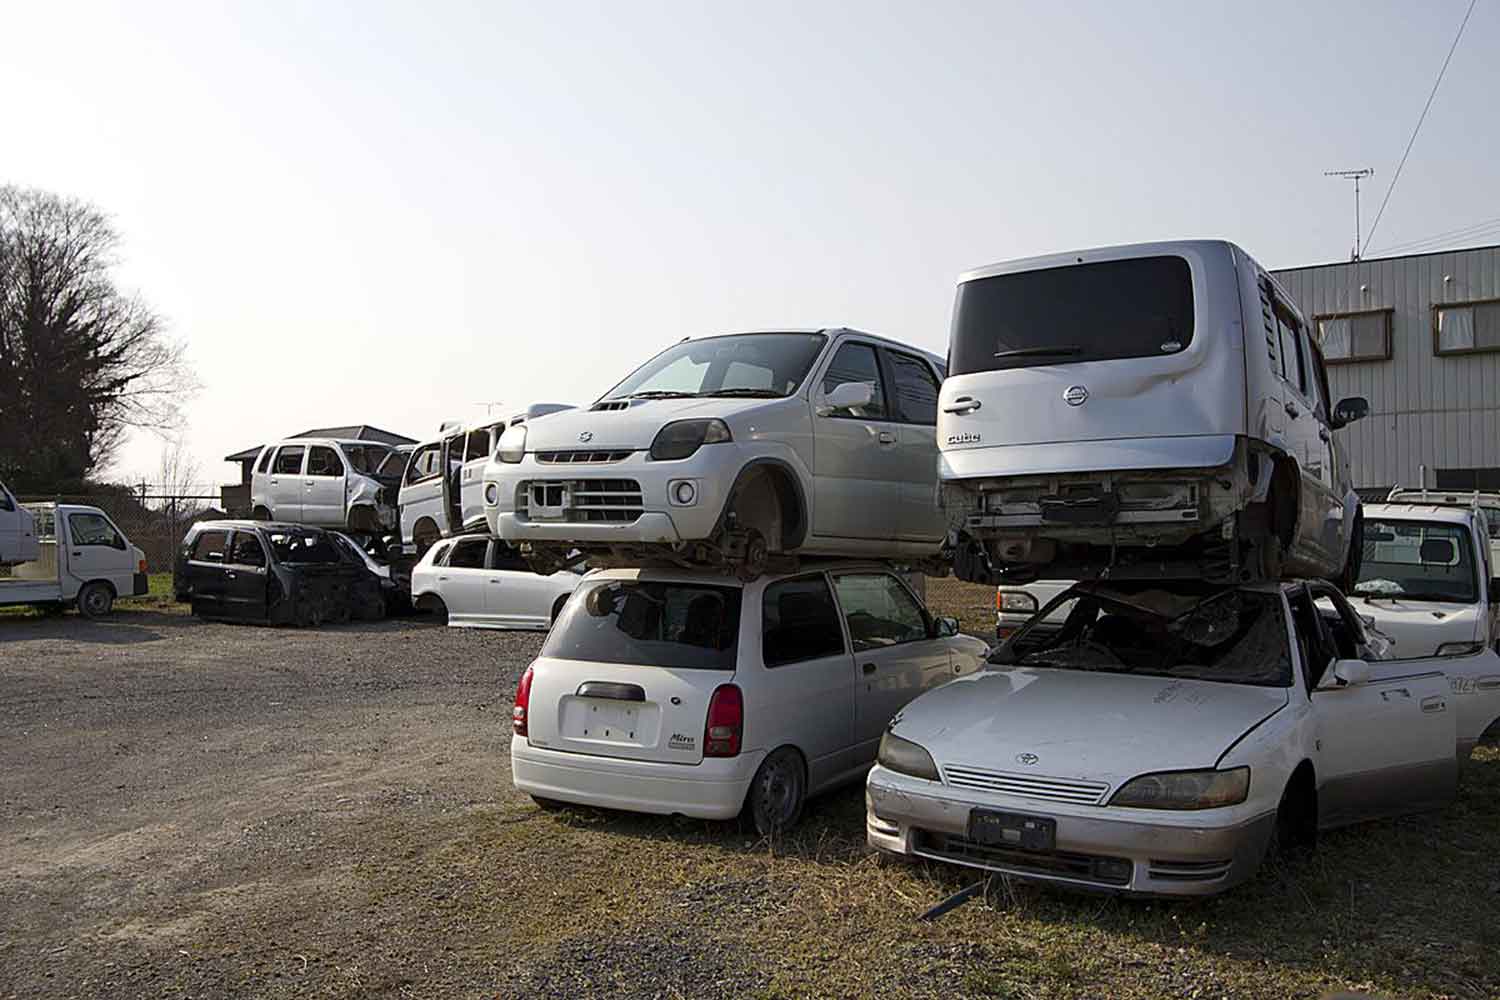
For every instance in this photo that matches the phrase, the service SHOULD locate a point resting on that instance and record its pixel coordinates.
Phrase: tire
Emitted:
(1296, 817)
(557, 607)
(548, 805)
(777, 793)
(260, 514)
(439, 610)
(95, 599)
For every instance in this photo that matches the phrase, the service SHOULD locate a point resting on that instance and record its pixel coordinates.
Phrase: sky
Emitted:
(396, 213)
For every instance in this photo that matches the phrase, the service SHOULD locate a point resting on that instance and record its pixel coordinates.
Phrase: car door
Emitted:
(244, 576)
(323, 487)
(805, 694)
(914, 385)
(514, 596)
(856, 451)
(422, 490)
(1383, 745)
(97, 550)
(204, 569)
(478, 447)
(1318, 528)
(896, 656)
(286, 487)
(463, 578)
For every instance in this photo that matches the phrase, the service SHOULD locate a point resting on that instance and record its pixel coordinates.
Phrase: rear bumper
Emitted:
(1202, 451)
(711, 789)
(142, 586)
(1175, 855)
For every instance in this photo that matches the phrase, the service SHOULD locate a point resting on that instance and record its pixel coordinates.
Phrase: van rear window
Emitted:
(1141, 307)
(651, 623)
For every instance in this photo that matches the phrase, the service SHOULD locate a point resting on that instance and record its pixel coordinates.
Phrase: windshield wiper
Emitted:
(1039, 352)
(745, 393)
(661, 394)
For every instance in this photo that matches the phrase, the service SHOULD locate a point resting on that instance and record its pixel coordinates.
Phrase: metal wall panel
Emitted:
(1441, 412)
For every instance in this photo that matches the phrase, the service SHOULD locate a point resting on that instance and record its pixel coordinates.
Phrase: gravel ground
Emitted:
(200, 810)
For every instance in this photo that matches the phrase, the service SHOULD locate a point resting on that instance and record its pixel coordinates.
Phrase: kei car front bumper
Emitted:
(1176, 854)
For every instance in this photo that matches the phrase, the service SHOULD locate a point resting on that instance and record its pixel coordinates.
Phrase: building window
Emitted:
(1468, 479)
(1355, 336)
(1466, 327)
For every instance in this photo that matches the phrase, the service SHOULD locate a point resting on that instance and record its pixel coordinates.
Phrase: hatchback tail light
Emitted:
(726, 722)
(523, 702)
(141, 566)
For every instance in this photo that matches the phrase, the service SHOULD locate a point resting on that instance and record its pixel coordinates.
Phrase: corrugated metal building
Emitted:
(1419, 337)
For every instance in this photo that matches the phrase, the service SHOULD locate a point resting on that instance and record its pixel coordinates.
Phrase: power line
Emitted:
(1462, 233)
(1423, 117)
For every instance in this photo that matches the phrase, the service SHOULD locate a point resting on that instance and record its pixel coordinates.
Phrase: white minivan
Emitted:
(667, 692)
(1149, 411)
(326, 482)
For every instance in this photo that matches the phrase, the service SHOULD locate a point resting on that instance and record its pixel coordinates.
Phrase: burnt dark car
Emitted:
(265, 571)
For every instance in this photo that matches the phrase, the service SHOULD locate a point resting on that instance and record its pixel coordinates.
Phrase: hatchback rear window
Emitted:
(1141, 307)
(649, 622)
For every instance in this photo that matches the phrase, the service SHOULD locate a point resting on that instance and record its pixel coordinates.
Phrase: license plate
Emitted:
(586, 719)
(1002, 829)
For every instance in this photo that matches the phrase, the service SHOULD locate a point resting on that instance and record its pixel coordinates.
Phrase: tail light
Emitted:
(726, 722)
(523, 702)
(140, 567)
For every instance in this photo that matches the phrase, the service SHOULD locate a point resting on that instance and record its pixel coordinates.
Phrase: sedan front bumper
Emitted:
(1175, 854)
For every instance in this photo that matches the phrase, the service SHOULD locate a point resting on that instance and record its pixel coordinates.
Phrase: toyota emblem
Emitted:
(1075, 395)
(586, 436)
(1027, 758)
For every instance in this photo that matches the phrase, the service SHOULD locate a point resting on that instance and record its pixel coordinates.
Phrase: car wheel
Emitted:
(439, 610)
(260, 514)
(95, 600)
(774, 803)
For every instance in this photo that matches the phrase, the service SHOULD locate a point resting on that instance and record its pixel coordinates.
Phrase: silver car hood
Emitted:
(1081, 724)
(634, 427)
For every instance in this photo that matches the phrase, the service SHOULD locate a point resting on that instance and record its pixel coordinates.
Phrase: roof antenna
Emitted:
(1356, 176)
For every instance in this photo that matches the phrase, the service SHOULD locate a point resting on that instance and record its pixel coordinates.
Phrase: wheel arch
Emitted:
(796, 511)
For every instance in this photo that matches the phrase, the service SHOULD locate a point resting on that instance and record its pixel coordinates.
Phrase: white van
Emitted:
(325, 482)
(1149, 411)
(83, 560)
(18, 540)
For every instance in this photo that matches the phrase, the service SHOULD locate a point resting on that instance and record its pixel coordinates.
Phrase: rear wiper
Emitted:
(1039, 352)
(662, 394)
(745, 393)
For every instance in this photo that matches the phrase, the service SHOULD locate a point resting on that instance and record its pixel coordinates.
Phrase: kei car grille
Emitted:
(1031, 786)
(1063, 864)
(614, 501)
(578, 457)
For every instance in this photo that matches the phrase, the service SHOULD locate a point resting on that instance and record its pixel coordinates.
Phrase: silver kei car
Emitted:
(730, 451)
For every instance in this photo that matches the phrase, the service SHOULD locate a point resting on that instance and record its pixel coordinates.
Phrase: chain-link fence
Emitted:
(155, 522)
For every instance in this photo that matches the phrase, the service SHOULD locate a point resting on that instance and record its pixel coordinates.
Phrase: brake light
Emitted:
(141, 566)
(523, 702)
(726, 722)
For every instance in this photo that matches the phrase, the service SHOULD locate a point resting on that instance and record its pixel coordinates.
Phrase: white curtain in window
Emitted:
(1456, 329)
(1335, 334)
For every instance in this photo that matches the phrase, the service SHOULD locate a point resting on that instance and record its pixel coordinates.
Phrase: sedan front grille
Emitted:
(580, 457)
(1031, 786)
(612, 501)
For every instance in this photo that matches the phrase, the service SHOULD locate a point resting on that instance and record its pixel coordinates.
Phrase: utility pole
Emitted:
(1356, 176)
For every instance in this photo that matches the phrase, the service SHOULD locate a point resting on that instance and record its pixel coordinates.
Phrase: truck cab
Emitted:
(82, 560)
(18, 541)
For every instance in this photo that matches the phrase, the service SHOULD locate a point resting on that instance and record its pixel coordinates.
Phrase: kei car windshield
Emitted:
(366, 458)
(302, 547)
(1140, 307)
(746, 364)
(649, 623)
(1418, 561)
(1235, 636)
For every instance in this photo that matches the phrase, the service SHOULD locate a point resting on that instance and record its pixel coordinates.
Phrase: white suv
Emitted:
(729, 450)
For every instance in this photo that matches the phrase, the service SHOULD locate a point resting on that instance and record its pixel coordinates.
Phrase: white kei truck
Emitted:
(61, 555)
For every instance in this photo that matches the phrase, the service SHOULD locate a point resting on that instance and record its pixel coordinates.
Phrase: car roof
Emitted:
(246, 523)
(1124, 251)
(1450, 513)
(834, 332)
(672, 574)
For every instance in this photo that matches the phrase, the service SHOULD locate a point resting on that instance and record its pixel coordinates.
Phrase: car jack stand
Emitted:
(958, 899)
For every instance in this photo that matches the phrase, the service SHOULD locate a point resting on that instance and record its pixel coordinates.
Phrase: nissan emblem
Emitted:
(1075, 395)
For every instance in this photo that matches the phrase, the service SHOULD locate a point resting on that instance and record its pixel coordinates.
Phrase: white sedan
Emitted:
(1160, 740)
(662, 691)
(479, 582)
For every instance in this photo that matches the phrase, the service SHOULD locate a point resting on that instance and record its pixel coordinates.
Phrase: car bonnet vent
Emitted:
(610, 404)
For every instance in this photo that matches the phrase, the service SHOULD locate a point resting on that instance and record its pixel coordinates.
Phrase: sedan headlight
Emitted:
(512, 445)
(1459, 648)
(681, 438)
(1015, 601)
(1185, 789)
(906, 757)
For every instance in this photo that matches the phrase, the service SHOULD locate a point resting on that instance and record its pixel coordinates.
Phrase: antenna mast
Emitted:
(1356, 176)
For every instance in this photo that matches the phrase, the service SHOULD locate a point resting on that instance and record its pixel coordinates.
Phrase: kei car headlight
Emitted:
(512, 445)
(681, 438)
(1185, 789)
(906, 757)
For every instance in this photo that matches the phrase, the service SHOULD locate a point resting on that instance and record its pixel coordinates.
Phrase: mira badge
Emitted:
(1075, 395)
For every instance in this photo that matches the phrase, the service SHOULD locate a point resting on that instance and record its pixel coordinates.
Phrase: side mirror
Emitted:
(848, 396)
(1347, 673)
(946, 626)
(1349, 410)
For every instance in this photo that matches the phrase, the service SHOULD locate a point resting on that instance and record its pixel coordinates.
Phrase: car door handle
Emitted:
(442, 579)
(963, 404)
(275, 481)
(1292, 411)
(886, 437)
(868, 668)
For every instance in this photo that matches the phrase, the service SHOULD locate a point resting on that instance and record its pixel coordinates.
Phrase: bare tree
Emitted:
(80, 360)
(178, 479)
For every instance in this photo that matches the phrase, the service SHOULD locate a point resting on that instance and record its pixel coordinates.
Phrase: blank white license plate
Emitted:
(591, 719)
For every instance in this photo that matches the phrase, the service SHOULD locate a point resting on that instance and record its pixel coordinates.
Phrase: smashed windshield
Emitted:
(655, 623)
(1418, 561)
(1233, 636)
(302, 547)
(366, 458)
(747, 364)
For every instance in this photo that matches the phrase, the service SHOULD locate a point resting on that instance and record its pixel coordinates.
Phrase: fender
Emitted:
(796, 477)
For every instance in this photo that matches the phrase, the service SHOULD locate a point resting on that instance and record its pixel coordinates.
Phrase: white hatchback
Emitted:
(480, 582)
(676, 692)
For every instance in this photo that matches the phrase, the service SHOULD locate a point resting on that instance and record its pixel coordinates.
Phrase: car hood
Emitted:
(1420, 627)
(635, 426)
(1083, 725)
